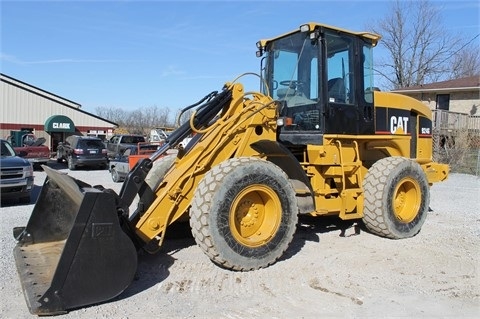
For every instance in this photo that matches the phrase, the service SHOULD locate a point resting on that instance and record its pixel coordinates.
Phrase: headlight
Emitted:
(304, 28)
(28, 170)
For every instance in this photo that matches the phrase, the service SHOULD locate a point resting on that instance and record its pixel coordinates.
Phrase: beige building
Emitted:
(24, 106)
(460, 95)
(455, 103)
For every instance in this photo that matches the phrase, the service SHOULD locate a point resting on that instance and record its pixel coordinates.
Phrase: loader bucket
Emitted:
(73, 251)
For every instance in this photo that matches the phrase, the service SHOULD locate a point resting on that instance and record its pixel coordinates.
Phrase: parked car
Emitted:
(82, 151)
(16, 174)
(120, 166)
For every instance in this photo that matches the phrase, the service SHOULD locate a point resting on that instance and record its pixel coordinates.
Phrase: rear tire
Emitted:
(396, 198)
(59, 157)
(244, 213)
(158, 171)
(71, 165)
(115, 176)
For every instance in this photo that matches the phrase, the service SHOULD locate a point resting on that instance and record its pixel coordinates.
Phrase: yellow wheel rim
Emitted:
(255, 215)
(407, 200)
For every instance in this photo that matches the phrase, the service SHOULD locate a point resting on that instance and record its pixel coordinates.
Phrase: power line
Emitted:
(463, 46)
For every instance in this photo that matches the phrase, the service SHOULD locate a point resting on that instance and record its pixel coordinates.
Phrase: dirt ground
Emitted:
(329, 271)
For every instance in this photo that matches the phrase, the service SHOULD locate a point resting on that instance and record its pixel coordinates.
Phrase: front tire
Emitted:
(396, 198)
(25, 199)
(244, 213)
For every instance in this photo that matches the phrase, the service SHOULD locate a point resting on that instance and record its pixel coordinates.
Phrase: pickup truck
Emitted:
(16, 173)
(117, 144)
(123, 163)
(29, 147)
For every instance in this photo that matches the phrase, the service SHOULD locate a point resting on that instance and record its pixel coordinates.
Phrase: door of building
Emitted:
(55, 138)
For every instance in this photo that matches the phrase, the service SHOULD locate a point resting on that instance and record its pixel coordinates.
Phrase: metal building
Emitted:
(24, 106)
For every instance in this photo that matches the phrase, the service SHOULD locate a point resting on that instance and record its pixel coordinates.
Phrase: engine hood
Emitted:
(13, 161)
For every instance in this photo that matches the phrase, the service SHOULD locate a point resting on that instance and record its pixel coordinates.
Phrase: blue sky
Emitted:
(133, 54)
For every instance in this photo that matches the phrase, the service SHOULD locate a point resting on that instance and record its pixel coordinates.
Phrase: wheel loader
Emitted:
(317, 138)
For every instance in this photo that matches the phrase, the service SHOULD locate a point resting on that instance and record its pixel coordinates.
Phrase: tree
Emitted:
(139, 121)
(114, 114)
(466, 62)
(185, 117)
(417, 43)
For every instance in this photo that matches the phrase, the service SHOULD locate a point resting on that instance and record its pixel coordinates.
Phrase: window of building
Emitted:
(443, 101)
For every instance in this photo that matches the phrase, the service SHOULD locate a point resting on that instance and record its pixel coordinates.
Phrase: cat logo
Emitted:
(399, 124)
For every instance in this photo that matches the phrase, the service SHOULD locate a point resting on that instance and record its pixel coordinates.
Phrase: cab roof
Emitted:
(314, 25)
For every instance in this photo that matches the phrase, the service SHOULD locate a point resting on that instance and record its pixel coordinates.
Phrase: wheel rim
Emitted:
(255, 215)
(407, 200)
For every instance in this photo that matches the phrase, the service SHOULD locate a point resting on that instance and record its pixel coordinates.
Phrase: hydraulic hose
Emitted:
(206, 113)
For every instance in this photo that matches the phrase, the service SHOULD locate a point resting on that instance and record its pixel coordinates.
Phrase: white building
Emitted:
(24, 106)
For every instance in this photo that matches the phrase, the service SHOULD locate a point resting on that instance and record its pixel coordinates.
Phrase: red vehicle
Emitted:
(30, 147)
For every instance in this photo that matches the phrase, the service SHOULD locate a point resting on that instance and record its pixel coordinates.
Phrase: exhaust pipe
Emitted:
(73, 251)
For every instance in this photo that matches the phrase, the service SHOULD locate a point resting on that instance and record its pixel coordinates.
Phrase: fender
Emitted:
(283, 158)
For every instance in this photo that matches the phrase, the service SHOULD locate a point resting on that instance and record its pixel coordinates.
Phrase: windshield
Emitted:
(293, 69)
(132, 139)
(7, 149)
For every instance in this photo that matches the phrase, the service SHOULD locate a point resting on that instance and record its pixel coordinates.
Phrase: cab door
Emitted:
(348, 74)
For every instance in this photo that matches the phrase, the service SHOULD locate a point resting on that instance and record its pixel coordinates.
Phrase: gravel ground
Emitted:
(327, 271)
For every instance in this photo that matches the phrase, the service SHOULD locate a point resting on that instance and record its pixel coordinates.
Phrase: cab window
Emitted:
(340, 69)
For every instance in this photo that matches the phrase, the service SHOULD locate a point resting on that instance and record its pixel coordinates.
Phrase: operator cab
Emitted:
(323, 78)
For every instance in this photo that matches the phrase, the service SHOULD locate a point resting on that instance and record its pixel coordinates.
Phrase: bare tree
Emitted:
(466, 62)
(417, 43)
(185, 117)
(156, 117)
(139, 121)
(114, 114)
(136, 122)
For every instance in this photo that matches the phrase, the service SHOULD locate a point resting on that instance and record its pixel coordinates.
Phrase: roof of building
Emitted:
(471, 83)
(49, 95)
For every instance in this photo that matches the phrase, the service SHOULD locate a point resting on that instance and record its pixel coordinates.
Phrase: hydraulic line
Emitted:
(204, 116)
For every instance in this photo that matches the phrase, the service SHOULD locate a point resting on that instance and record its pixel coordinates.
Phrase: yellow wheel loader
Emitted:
(316, 139)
